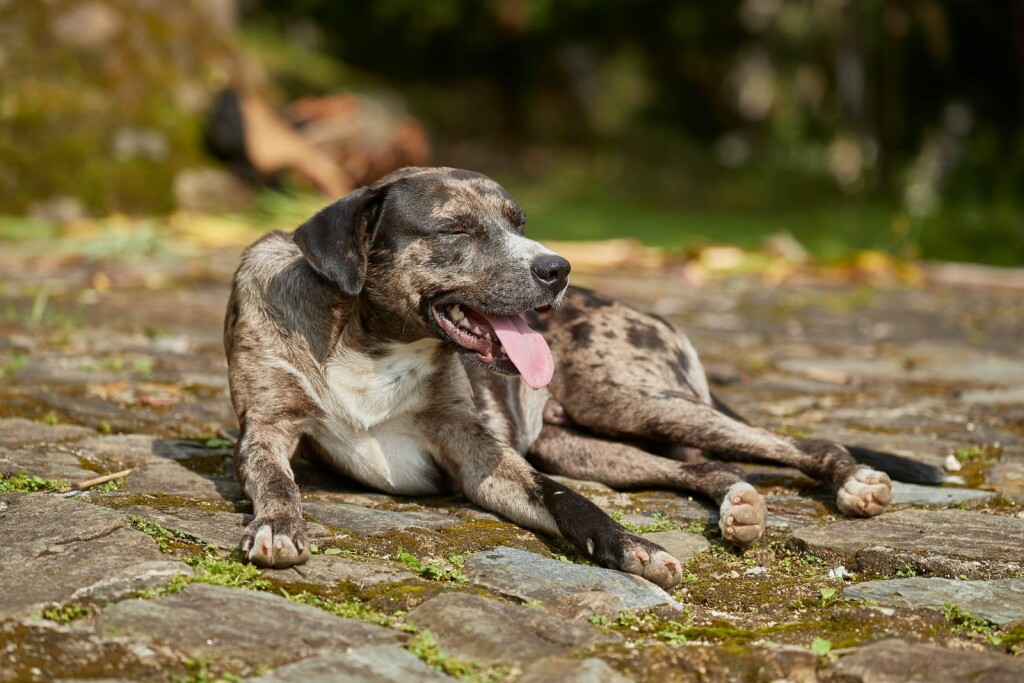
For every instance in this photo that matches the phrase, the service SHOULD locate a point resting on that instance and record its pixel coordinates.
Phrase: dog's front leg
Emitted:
(495, 477)
(277, 535)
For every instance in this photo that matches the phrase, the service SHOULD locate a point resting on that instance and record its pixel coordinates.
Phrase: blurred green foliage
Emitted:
(893, 124)
(890, 124)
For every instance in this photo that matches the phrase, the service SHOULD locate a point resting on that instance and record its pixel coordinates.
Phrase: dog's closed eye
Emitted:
(455, 228)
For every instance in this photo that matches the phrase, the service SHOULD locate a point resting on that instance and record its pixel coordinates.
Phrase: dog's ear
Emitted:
(336, 241)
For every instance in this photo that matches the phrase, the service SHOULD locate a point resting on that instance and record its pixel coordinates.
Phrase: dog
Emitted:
(412, 337)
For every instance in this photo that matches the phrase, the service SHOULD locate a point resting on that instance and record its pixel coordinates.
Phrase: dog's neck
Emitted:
(366, 328)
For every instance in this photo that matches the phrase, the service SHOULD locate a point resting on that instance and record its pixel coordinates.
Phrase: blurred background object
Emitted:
(819, 128)
(102, 101)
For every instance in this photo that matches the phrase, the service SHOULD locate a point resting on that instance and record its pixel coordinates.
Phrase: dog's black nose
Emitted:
(552, 271)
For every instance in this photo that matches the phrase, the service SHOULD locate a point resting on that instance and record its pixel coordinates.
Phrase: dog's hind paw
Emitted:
(865, 493)
(278, 541)
(742, 515)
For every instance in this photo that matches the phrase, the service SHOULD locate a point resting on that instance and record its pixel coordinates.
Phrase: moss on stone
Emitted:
(166, 503)
(58, 652)
(21, 482)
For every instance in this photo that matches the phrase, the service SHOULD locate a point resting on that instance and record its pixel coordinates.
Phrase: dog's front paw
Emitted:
(865, 493)
(634, 554)
(654, 564)
(275, 541)
(742, 515)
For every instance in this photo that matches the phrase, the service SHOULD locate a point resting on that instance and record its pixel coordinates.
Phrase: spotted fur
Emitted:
(334, 344)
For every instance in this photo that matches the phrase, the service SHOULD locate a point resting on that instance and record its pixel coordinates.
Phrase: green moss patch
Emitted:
(25, 483)
(425, 646)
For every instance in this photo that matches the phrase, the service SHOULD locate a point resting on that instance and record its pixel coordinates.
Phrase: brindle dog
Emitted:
(387, 335)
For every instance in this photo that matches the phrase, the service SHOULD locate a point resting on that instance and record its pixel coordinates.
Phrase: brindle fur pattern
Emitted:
(332, 346)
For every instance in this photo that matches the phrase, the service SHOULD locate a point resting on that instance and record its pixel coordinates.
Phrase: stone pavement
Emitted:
(112, 364)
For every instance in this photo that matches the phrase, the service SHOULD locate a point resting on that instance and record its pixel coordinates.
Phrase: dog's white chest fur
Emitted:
(368, 429)
(367, 391)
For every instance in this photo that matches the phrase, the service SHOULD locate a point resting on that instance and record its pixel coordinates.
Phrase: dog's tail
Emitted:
(897, 467)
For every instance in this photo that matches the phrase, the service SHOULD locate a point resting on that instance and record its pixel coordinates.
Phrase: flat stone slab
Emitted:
(117, 452)
(682, 545)
(948, 543)
(366, 521)
(632, 519)
(1007, 477)
(38, 649)
(376, 664)
(171, 478)
(485, 630)
(331, 570)
(222, 529)
(240, 628)
(1001, 396)
(676, 507)
(791, 512)
(58, 550)
(915, 494)
(44, 462)
(1000, 601)
(133, 450)
(573, 590)
(970, 368)
(17, 432)
(895, 661)
(562, 670)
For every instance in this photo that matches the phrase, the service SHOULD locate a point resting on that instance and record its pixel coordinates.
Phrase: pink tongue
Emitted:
(525, 347)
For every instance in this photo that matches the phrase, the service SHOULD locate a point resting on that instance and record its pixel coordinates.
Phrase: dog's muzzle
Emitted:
(505, 343)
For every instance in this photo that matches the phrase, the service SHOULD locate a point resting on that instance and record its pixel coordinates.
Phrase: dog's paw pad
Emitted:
(657, 566)
(275, 542)
(742, 515)
(664, 570)
(865, 493)
(554, 413)
(634, 554)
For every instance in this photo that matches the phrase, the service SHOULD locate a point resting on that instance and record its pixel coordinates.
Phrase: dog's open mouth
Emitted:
(504, 342)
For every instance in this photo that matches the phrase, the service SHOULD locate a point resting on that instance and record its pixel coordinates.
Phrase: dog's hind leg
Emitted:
(677, 418)
(277, 535)
(568, 452)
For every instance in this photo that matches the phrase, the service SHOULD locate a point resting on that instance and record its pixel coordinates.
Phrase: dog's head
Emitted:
(441, 252)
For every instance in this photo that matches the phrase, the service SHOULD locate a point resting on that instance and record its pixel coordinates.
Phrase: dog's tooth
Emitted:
(464, 322)
(476, 329)
(456, 313)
